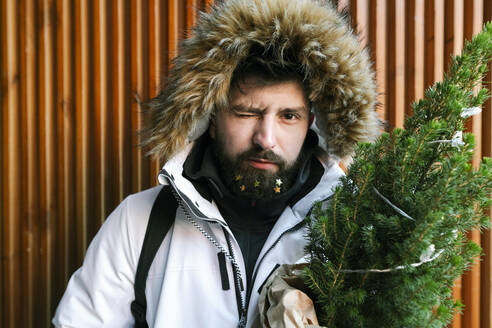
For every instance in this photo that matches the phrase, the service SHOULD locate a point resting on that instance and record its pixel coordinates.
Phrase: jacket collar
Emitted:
(172, 174)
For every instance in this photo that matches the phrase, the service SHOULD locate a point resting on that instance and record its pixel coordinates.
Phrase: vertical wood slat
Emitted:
(453, 29)
(378, 42)
(75, 121)
(31, 187)
(360, 18)
(67, 242)
(434, 44)
(48, 179)
(122, 103)
(82, 144)
(24, 236)
(414, 43)
(3, 184)
(396, 64)
(102, 105)
(175, 26)
(158, 23)
(57, 262)
(192, 9)
(457, 295)
(12, 197)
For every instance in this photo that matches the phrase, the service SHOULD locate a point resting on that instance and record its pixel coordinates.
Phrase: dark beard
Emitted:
(246, 181)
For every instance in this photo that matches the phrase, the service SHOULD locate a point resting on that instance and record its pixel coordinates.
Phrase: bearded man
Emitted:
(245, 167)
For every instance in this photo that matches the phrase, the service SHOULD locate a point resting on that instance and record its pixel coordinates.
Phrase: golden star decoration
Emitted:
(277, 189)
(243, 187)
(238, 177)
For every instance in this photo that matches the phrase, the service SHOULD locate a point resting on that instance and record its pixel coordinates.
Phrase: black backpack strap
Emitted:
(161, 218)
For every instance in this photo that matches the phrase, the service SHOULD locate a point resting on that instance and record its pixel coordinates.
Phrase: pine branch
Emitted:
(386, 251)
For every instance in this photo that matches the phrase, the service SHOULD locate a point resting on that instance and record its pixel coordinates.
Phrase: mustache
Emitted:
(261, 154)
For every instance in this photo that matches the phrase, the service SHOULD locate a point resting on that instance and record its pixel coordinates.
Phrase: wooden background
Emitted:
(72, 73)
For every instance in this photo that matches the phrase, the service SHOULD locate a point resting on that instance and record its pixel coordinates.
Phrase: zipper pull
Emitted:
(242, 320)
(241, 285)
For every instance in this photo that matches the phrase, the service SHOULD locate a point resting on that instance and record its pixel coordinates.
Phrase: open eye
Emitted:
(290, 116)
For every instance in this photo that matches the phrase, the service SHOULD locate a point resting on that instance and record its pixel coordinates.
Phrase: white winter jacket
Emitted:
(184, 284)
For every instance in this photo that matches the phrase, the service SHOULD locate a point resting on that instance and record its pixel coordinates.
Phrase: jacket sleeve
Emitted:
(100, 292)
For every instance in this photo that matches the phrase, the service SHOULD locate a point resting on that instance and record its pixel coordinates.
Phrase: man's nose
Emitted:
(265, 133)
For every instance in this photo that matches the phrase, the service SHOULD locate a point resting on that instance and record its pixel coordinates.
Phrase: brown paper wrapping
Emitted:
(282, 304)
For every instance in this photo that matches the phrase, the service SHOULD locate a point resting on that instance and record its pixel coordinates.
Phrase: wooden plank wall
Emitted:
(72, 75)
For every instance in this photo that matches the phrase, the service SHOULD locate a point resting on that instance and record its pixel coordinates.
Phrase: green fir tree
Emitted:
(387, 247)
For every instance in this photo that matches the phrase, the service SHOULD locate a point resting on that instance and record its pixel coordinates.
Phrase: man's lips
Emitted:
(262, 164)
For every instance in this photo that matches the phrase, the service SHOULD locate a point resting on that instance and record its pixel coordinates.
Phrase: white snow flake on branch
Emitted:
(456, 140)
(467, 112)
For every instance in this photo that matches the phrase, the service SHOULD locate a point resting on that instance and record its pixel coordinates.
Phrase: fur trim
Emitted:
(341, 85)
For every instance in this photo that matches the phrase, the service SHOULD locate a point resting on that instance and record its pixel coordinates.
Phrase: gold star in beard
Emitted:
(238, 177)
(243, 187)
(277, 189)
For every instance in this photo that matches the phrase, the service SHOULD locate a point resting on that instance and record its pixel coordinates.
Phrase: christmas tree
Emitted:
(387, 247)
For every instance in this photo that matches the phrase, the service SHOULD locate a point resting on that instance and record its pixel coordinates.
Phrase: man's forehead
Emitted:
(248, 93)
(254, 81)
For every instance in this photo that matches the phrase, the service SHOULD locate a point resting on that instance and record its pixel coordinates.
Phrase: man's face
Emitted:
(259, 138)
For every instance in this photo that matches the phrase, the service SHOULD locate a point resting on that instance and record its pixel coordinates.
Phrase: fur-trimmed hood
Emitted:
(308, 33)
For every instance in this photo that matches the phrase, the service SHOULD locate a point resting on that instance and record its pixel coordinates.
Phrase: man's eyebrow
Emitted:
(242, 108)
(301, 110)
(295, 109)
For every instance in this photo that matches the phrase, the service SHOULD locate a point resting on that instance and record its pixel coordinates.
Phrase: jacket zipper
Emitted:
(238, 283)
(238, 280)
